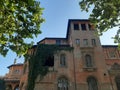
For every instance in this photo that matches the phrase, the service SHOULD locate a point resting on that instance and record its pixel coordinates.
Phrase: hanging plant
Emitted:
(37, 62)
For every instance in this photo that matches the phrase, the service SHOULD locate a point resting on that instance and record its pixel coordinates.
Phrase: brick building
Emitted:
(89, 66)
(12, 78)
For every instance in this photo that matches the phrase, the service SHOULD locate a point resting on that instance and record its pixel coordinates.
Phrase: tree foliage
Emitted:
(2, 84)
(105, 15)
(19, 20)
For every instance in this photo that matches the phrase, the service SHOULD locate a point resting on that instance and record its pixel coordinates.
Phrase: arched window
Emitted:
(62, 84)
(88, 61)
(62, 60)
(117, 80)
(92, 83)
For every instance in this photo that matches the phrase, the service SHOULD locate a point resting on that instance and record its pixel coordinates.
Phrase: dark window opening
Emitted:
(49, 61)
(83, 26)
(76, 26)
(90, 27)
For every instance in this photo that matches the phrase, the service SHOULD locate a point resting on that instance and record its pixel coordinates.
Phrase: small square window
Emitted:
(76, 26)
(83, 26)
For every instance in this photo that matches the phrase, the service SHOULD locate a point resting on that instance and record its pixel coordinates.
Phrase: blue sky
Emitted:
(56, 13)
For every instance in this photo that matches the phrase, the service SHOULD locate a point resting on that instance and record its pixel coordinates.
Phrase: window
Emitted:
(49, 61)
(77, 41)
(90, 27)
(88, 61)
(62, 60)
(92, 83)
(76, 26)
(85, 42)
(16, 71)
(93, 42)
(58, 42)
(62, 84)
(83, 27)
(112, 54)
(117, 80)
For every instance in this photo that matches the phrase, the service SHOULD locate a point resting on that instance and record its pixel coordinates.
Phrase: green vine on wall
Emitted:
(37, 61)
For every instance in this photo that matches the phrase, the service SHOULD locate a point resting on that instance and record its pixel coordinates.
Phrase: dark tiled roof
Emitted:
(107, 46)
(49, 38)
(18, 64)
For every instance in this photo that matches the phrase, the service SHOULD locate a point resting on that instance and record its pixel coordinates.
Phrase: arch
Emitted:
(92, 83)
(88, 60)
(117, 81)
(9, 87)
(62, 60)
(63, 83)
(16, 87)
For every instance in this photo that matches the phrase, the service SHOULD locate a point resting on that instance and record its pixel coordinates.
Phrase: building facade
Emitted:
(89, 66)
(12, 78)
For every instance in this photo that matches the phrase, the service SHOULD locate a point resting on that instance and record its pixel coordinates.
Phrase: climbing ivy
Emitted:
(37, 62)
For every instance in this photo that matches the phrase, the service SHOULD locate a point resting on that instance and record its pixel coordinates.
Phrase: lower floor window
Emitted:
(62, 84)
(92, 83)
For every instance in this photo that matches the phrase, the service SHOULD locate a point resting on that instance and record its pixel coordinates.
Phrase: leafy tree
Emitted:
(2, 84)
(19, 20)
(105, 15)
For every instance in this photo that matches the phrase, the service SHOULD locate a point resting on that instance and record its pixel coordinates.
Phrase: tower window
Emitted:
(76, 26)
(83, 26)
(90, 27)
